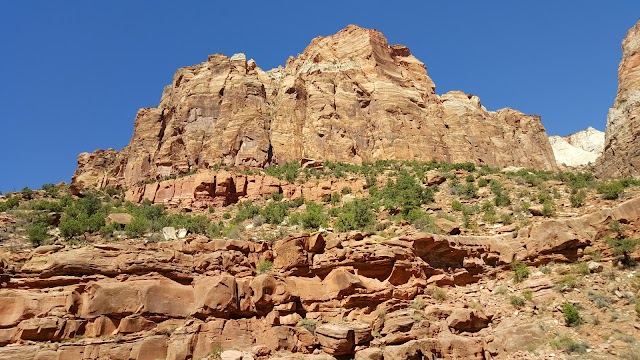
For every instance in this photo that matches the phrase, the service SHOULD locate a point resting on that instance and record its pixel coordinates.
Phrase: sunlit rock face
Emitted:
(348, 97)
(578, 149)
(622, 148)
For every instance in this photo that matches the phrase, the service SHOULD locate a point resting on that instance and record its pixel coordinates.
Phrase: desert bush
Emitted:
(275, 213)
(456, 205)
(571, 315)
(137, 227)
(436, 293)
(27, 193)
(611, 190)
(264, 267)
(578, 198)
(355, 215)
(314, 217)
(404, 194)
(288, 171)
(600, 300)
(548, 209)
(51, 190)
(566, 283)
(566, 343)
(37, 233)
(246, 210)
(482, 182)
(309, 324)
(520, 271)
(11, 202)
(421, 220)
(517, 301)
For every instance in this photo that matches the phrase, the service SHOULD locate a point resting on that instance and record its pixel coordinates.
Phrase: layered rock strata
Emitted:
(622, 149)
(349, 97)
(183, 299)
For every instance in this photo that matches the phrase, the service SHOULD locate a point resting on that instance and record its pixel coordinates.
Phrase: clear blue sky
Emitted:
(74, 73)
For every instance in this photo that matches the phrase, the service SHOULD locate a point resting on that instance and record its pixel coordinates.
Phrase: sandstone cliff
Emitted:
(622, 150)
(349, 97)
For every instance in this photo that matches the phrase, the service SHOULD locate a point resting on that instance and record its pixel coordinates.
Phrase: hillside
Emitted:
(392, 259)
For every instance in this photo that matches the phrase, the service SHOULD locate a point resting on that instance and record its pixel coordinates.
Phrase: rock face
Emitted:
(578, 149)
(622, 150)
(179, 299)
(349, 97)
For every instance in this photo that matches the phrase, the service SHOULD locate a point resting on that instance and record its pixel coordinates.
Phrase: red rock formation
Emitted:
(175, 300)
(621, 155)
(349, 97)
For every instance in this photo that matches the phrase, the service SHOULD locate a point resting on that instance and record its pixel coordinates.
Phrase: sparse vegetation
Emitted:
(520, 271)
(568, 344)
(264, 267)
(571, 315)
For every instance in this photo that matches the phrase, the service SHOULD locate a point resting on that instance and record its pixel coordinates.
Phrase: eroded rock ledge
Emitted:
(180, 299)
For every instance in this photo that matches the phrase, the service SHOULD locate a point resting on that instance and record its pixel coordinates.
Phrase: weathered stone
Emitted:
(620, 157)
(229, 111)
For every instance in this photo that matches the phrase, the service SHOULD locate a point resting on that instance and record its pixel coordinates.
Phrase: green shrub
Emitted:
(26, 193)
(548, 208)
(611, 190)
(421, 220)
(264, 267)
(51, 190)
(520, 271)
(37, 234)
(456, 205)
(517, 301)
(404, 194)
(502, 199)
(71, 227)
(137, 227)
(355, 215)
(566, 283)
(600, 300)
(10, 203)
(288, 171)
(578, 198)
(506, 219)
(622, 247)
(566, 343)
(275, 213)
(217, 350)
(314, 217)
(466, 191)
(482, 182)
(345, 190)
(246, 210)
(571, 315)
(277, 196)
(309, 324)
(527, 295)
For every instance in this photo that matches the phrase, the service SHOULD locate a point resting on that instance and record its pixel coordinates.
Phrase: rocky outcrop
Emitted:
(349, 97)
(221, 188)
(578, 149)
(349, 295)
(622, 150)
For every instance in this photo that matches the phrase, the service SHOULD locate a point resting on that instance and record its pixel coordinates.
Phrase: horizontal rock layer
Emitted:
(349, 97)
(178, 299)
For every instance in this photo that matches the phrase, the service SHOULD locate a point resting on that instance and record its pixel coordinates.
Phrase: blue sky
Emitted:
(74, 73)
